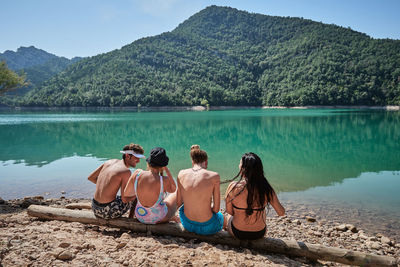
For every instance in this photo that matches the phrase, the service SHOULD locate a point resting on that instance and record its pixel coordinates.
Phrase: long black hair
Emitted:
(257, 185)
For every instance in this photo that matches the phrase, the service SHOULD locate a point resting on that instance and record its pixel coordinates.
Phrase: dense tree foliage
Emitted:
(231, 57)
(9, 80)
(37, 64)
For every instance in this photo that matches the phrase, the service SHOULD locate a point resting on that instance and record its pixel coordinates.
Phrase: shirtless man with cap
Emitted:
(109, 178)
(199, 192)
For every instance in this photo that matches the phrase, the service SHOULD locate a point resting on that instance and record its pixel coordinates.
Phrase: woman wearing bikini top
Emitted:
(247, 199)
(149, 187)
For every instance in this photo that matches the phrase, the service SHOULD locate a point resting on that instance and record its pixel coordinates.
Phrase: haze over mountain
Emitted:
(232, 57)
(38, 64)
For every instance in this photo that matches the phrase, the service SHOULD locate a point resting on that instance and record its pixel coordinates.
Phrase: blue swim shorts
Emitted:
(112, 210)
(210, 227)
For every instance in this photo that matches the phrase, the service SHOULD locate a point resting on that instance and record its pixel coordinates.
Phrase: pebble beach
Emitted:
(28, 241)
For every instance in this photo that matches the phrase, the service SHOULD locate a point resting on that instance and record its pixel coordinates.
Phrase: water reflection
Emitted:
(300, 149)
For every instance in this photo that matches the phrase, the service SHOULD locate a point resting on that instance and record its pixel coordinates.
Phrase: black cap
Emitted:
(158, 157)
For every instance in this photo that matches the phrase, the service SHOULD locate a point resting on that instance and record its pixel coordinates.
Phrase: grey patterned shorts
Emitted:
(114, 209)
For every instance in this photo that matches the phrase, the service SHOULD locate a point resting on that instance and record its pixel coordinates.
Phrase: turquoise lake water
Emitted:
(338, 158)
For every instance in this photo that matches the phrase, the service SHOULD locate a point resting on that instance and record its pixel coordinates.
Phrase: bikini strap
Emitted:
(258, 209)
(136, 180)
(160, 196)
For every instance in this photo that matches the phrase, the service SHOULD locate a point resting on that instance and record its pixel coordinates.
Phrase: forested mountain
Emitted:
(231, 57)
(37, 64)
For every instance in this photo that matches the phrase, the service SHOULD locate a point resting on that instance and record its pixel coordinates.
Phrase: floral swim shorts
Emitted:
(111, 210)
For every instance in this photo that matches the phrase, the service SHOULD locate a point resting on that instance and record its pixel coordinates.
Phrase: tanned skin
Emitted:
(198, 190)
(149, 189)
(110, 177)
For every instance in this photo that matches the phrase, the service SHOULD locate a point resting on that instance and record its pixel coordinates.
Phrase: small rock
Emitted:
(372, 238)
(171, 246)
(108, 260)
(78, 248)
(125, 236)
(121, 245)
(32, 257)
(352, 228)
(63, 192)
(62, 197)
(27, 202)
(378, 235)
(385, 240)
(125, 263)
(363, 236)
(373, 245)
(2, 201)
(57, 252)
(247, 251)
(64, 245)
(310, 219)
(39, 198)
(341, 227)
(296, 221)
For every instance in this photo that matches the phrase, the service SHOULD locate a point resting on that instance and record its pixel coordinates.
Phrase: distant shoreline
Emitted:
(199, 108)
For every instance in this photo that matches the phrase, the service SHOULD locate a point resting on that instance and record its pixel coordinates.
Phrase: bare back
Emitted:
(236, 203)
(112, 176)
(197, 190)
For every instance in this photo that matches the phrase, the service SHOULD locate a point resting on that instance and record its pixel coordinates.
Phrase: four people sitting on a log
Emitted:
(197, 193)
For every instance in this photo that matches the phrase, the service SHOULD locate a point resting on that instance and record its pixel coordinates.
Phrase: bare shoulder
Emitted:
(213, 175)
(182, 173)
(111, 161)
(235, 187)
(231, 185)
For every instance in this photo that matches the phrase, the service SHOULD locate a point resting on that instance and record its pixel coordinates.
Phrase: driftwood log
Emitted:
(272, 245)
(81, 206)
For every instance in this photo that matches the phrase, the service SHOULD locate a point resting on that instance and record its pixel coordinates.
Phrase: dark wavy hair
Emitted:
(257, 185)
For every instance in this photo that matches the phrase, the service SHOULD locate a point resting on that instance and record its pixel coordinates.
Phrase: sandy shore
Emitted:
(27, 241)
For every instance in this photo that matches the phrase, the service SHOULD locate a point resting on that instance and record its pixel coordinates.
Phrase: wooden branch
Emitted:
(279, 246)
(81, 206)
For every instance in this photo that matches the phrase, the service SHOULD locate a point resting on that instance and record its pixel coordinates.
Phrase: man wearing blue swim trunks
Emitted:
(199, 194)
(109, 178)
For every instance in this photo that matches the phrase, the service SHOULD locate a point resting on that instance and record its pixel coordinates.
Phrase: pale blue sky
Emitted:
(88, 27)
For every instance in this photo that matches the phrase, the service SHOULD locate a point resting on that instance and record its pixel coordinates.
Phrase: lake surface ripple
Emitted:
(342, 163)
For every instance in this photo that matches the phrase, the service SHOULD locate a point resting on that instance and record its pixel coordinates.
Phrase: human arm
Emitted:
(179, 199)
(129, 188)
(280, 210)
(93, 176)
(228, 198)
(216, 194)
(170, 185)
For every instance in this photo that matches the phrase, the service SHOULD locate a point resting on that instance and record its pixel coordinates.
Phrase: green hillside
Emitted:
(231, 57)
(37, 64)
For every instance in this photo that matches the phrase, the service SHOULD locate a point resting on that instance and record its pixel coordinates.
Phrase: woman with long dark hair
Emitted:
(247, 199)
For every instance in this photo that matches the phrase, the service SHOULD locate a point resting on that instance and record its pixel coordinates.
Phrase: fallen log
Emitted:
(279, 246)
(81, 206)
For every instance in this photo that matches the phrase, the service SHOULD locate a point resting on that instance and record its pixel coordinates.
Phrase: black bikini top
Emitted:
(259, 209)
